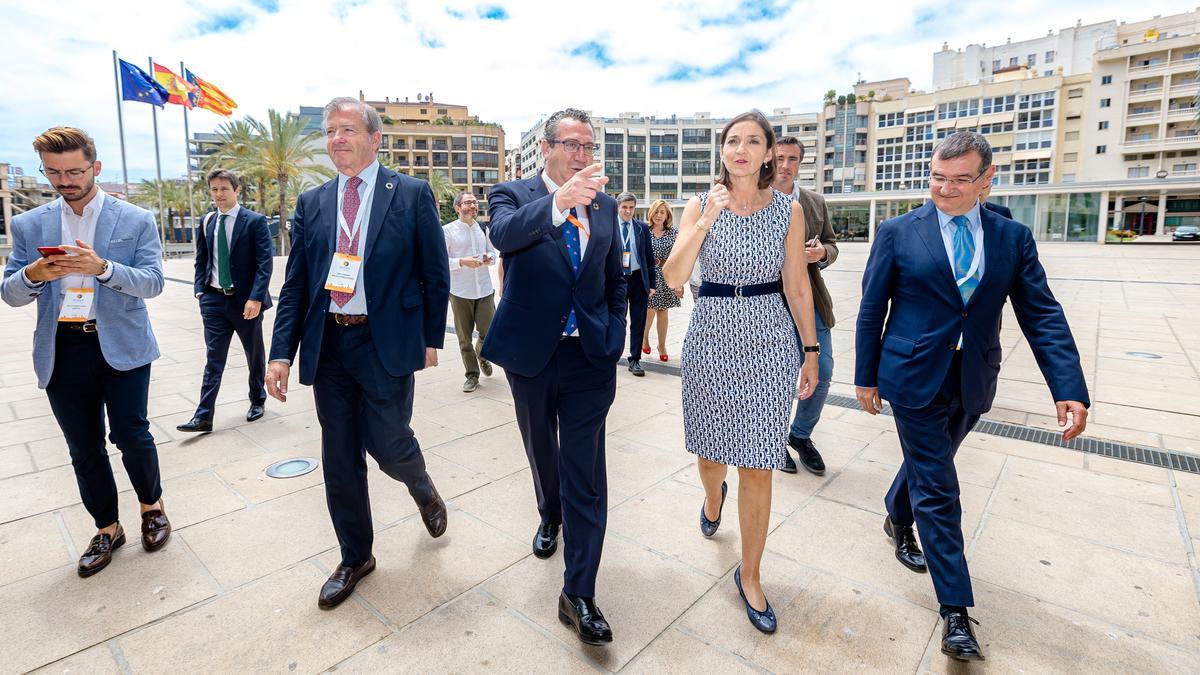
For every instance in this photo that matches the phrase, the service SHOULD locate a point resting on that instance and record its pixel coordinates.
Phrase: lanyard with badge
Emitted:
(626, 252)
(345, 267)
(76, 305)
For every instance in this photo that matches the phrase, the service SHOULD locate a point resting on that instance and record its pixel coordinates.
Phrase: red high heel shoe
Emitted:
(662, 357)
(645, 350)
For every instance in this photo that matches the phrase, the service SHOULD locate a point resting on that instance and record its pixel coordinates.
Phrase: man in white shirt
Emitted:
(472, 296)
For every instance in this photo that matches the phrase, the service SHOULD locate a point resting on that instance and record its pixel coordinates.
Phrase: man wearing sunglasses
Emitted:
(941, 275)
(89, 260)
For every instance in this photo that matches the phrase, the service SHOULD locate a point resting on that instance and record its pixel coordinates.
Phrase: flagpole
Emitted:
(120, 122)
(162, 227)
(187, 149)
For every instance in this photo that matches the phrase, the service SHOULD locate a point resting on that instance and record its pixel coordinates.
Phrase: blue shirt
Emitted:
(948, 228)
(634, 265)
(366, 192)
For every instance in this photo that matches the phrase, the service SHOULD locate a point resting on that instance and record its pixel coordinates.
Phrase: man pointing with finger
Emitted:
(558, 333)
(941, 275)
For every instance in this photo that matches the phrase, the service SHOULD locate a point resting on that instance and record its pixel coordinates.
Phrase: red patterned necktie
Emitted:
(350, 204)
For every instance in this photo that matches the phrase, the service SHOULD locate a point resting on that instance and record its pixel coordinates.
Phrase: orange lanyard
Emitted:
(578, 223)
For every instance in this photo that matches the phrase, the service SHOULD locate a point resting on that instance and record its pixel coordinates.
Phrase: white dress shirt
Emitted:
(560, 217)
(629, 227)
(366, 192)
(214, 278)
(467, 240)
(83, 228)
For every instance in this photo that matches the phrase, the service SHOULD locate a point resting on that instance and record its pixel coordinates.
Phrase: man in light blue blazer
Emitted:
(90, 260)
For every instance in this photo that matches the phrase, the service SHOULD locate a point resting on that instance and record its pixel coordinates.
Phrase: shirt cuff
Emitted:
(557, 217)
(108, 273)
(30, 284)
(286, 362)
(454, 264)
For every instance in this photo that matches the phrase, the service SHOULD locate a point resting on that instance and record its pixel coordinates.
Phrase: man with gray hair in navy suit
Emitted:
(89, 260)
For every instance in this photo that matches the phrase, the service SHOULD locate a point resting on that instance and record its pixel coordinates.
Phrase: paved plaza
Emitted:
(1081, 562)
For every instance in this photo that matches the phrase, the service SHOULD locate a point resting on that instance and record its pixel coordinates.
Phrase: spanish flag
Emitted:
(210, 97)
(178, 89)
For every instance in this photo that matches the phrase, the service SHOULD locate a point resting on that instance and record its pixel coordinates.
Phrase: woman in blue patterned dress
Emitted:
(741, 360)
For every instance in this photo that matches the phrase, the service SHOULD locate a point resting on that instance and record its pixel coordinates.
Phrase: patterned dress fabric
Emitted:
(741, 360)
(664, 297)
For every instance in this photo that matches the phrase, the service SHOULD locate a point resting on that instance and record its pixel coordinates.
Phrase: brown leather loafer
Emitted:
(156, 529)
(341, 583)
(434, 514)
(99, 552)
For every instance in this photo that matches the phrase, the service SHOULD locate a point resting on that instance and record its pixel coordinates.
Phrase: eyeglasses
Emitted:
(938, 179)
(70, 173)
(574, 146)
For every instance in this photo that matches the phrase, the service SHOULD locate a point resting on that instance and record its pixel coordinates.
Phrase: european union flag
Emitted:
(136, 85)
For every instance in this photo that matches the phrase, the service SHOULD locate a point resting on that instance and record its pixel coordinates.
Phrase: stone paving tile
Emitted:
(31, 546)
(678, 652)
(33, 493)
(473, 633)
(290, 633)
(495, 452)
(96, 660)
(15, 460)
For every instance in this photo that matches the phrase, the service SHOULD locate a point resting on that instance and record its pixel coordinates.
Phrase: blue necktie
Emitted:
(571, 237)
(628, 267)
(964, 254)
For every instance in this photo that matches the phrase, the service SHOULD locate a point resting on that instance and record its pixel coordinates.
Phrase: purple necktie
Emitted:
(350, 204)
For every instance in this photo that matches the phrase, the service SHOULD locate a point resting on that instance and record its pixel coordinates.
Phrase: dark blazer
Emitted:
(540, 288)
(406, 276)
(817, 224)
(250, 256)
(998, 208)
(645, 255)
(909, 270)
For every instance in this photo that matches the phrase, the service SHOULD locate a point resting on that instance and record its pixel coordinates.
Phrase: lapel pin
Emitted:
(595, 206)
(388, 186)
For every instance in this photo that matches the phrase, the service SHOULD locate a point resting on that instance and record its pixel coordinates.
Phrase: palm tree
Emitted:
(287, 154)
(240, 150)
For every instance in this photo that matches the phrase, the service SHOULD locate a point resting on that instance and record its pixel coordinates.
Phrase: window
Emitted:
(1043, 99)
(458, 176)
(485, 176)
(1105, 102)
(485, 159)
(441, 111)
(697, 136)
(1071, 157)
(919, 117)
(1036, 119)
(1075, 93)
(997, 104)
(1101, 149)
(1071, 136)
(424, 111)
(1189, 167)
(1106, 79)
(458, 159)
(891, 120)
(614, 168)
(441, 159)
(458, 143)
(956, 109)
(1049, 57)
(996, 128)
(1034, 140)
(1031, 60)
(614, 138)
(1137, 172)
(1102, 125)
(996, 64)
(1031, 171)
(488, 143)
(1012, 62)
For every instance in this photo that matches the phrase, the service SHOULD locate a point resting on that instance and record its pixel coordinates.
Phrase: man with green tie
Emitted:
(233, 271)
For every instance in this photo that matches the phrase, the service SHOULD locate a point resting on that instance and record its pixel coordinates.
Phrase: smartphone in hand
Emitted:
(48, 251)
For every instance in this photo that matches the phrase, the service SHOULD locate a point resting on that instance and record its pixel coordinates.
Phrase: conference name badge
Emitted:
(626, 256)
(77, 305)
(343, 273)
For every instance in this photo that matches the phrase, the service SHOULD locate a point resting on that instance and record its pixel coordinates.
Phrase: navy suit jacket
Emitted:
(908, 280)
(645, 254)
(406, 276)
(540, 288)
(998, 208)
(250, 256)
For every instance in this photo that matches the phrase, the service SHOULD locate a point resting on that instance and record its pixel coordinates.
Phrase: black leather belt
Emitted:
(82, 327)
(348, 319)
(222, 291)
(709, 289)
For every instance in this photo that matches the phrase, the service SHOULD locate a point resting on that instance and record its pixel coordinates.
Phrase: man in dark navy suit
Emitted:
(639, 275)
(364, 302)
(941, 275)
(558, 333)
(233, 272)
(993, 206)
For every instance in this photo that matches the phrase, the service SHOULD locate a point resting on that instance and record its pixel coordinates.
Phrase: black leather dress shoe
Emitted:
(765, 620)
(958, 638)
(789, 465)
(908, 552)
(809, 457)
(196, 425)
(635, 367)
(709, 527)
(99, 552)
(434, 514)
(545, 540)
(341, 583)
(585, 618)
(255, 412)
(156, 528)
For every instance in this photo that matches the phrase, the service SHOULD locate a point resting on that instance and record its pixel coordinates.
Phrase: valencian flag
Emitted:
(179, 89)
(208, 96)
(136, 85)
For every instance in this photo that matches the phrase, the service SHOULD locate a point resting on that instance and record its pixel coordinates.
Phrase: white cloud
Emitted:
(511, 71)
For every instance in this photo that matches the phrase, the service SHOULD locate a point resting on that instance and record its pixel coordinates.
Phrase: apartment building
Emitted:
(1066, 52)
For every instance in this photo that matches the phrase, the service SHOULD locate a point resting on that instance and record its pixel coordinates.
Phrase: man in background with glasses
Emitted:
(558, 333)
(472, 296)
(89, 261)
(941, 275)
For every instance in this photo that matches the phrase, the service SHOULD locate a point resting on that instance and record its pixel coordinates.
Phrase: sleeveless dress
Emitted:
(741, 360)
(664, 297)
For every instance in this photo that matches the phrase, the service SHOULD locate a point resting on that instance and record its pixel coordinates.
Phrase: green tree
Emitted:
(239, 150)
(830, 96)
(287, 155)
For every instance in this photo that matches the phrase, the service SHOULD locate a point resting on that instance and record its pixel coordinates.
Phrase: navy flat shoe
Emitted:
(764, 621)
(709, 527)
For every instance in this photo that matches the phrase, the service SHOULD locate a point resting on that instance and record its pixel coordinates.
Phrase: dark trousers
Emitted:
(362, 409)
(222, 316)
(561, 413)
(637, 296)
(926, 490)
(82, 388)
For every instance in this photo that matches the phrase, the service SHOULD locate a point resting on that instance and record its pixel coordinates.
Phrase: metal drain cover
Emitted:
(290, 468)
(1144, 355)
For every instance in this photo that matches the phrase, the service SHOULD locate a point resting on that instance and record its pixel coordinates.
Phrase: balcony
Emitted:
(1146, 93)
(1183, 113)
(1159, 143)
(1138, 118)
(1185, 88)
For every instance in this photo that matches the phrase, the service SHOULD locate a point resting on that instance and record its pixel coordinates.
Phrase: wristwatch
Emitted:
(104, 271)
(816, 349)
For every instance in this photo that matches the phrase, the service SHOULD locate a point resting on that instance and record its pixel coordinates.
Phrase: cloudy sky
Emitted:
(510, 61)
